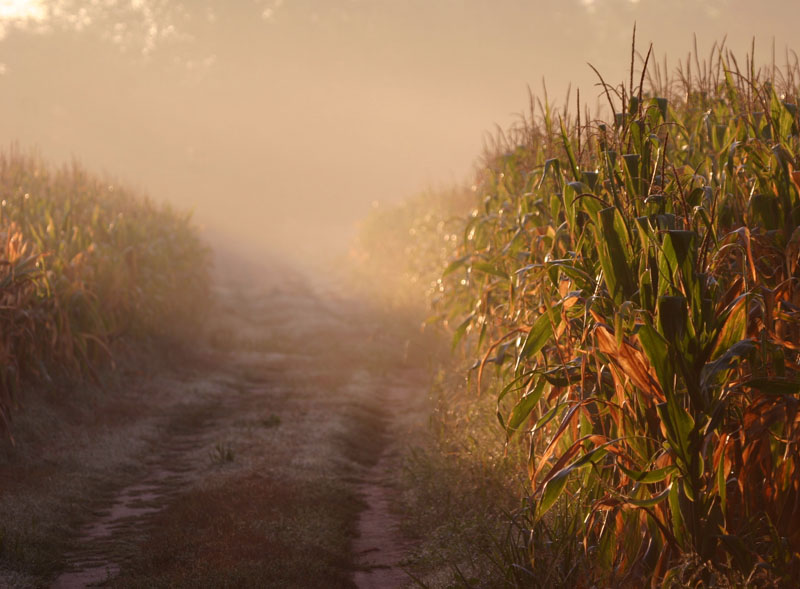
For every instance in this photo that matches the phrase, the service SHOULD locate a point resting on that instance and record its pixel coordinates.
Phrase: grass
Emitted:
(74, 443)
(246, 532)
(627, 291)
(456, 494)
(222, 453)
(271, 420)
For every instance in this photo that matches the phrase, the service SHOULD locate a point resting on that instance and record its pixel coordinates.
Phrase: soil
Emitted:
(379, 547)
(268, 459)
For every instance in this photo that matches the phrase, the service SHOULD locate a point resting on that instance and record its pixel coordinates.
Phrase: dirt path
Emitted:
(268, 462)
(380, 546)
(109, 540)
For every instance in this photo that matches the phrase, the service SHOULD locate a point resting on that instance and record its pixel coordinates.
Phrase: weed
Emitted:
(272, 420)
(222, 453)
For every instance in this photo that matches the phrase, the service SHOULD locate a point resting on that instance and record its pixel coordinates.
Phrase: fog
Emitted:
(280, 123)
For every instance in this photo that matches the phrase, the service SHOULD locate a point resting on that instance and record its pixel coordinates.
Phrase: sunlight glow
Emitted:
(24, 14)
(134, 26)
(271, 7)
(14, 10)
(21, 14)
(140, 25)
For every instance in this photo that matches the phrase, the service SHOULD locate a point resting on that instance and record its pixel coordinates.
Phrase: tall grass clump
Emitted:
(632, 287)
(83, 264)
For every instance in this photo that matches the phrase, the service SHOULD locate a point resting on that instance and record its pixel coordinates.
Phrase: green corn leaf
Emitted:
(547, 417)
(765, 211)
(555, 484)
(722, 489)
(554, 165)
(572, 191)
(522, 410)
(655, 348)
(680, 251)
(679, 426)
(676, 514)
(725, 362)
(649, 476)
(632, 162)
(540, 333)
(515, 385)
(487, 268)
(614, 254)
(552, 490)
(781, 117)
(461, 330)
(650, 501)
(663, 107)
(573, 163)
(454, 265)
(589, 178)
(582, 279)
(774, 386)
(673, 317)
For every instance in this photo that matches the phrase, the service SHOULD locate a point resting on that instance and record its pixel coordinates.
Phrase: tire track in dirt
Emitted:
(290, 437)
(106, 543)
(216, 400)
(380, 546)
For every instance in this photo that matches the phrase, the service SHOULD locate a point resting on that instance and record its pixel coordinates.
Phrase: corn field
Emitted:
(630, 292)
(83, 264)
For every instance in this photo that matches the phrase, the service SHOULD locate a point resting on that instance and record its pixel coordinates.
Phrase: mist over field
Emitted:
(281, 122)
(393, 311)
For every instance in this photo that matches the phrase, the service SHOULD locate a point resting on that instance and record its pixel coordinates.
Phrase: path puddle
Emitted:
(94, 562)
(131, 503)
(107, 542)
(88, 576)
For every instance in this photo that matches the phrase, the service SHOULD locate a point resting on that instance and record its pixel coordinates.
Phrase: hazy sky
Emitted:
(279, 122)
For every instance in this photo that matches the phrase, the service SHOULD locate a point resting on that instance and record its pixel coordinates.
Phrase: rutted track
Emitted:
(268, 462)
(380, 547)
(109, 541)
